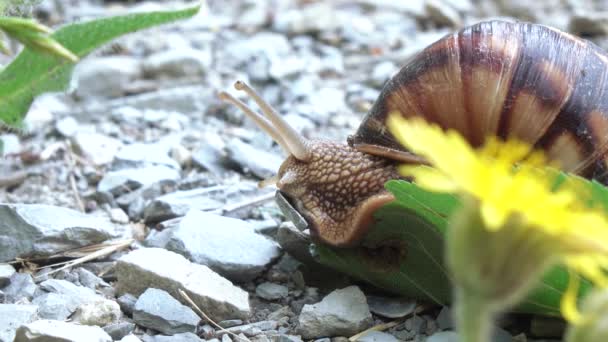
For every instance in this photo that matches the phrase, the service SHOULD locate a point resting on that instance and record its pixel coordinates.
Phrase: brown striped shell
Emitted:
(519, 80)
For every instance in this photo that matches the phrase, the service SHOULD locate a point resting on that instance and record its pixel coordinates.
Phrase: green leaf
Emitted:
(416, 222)
(33, 73)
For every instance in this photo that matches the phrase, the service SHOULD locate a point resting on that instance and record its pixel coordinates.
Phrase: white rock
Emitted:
(57, 331)
(100, 313)
(140, 154)
(341, 313)
(12, 316)
(10, 144)
(227, 245)
(130, 338)
(67, 126)
(103, 77)
(121, 181)
(155, 267)
(98, 148)
(179, 203)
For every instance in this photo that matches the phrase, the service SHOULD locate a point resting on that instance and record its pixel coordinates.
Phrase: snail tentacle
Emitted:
(297, 144)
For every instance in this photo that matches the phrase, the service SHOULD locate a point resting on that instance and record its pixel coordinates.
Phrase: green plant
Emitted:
(38, 69)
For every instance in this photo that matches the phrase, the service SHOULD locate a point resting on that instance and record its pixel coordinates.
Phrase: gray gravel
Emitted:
(157, 310)
(155, 156)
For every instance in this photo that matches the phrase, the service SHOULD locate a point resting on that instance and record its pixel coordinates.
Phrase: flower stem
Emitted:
(474, 317)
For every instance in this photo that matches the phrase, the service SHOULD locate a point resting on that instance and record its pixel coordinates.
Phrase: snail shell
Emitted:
(512, 80)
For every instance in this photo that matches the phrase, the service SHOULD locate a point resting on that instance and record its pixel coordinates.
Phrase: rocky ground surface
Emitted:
(142, 170)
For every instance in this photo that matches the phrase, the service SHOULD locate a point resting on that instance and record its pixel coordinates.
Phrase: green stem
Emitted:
(473, 316)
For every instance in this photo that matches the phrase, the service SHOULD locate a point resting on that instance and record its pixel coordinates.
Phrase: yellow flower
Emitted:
(507, 181)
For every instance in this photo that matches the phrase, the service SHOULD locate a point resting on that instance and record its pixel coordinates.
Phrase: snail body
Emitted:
(511, 80)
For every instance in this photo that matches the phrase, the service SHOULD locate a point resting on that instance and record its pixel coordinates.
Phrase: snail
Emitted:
(511, 80)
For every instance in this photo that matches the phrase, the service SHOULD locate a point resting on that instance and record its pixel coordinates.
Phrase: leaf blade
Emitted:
(32, 73)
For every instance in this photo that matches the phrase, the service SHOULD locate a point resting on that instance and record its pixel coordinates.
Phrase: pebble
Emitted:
(183, 337)
(377, 336)
(12, 316)
(444, 319)
(41, 230)
(127, 303)
(20, 288)
(179, 203)
(343, 312)
(181, 62)
(253, 329)
(101, 313)
(390, 307)
(442, 14)
(130, 338)
(261, 163)
(10, 144)
(271, 291)
(58, 331)
(119, 182)
(227, 245)
(95, 147)
(6, 272)
(118, 215)
(62, 298)
(105, 77)
(156, 309)
(67, 126)
(140, 155)
(119, 330)
(155, 267)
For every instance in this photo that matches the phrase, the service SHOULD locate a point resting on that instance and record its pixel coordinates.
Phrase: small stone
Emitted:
(101, 313)
(10, 144)
(155, 267)
(343, 313)
(156, 309)
(95, 147)
(130, 338)
(57, 331)
(55, 306)
(261, 163)
(6, 272)
(118, 215)
(253, 329)
(229, 246)
(313, 18)
(377, 336)
(67, 127)
(119, 182)
(105, 77)
(390, 307)
(382, 73)
(229, 323)
(182, 62)
(21, 287)
(179, 203)
(183, 337)
(443, 336)
(140, 155)
(444, 319)
(119, 330)
(127, 303)
(12, 316)
(40, 230)
(271, 291)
